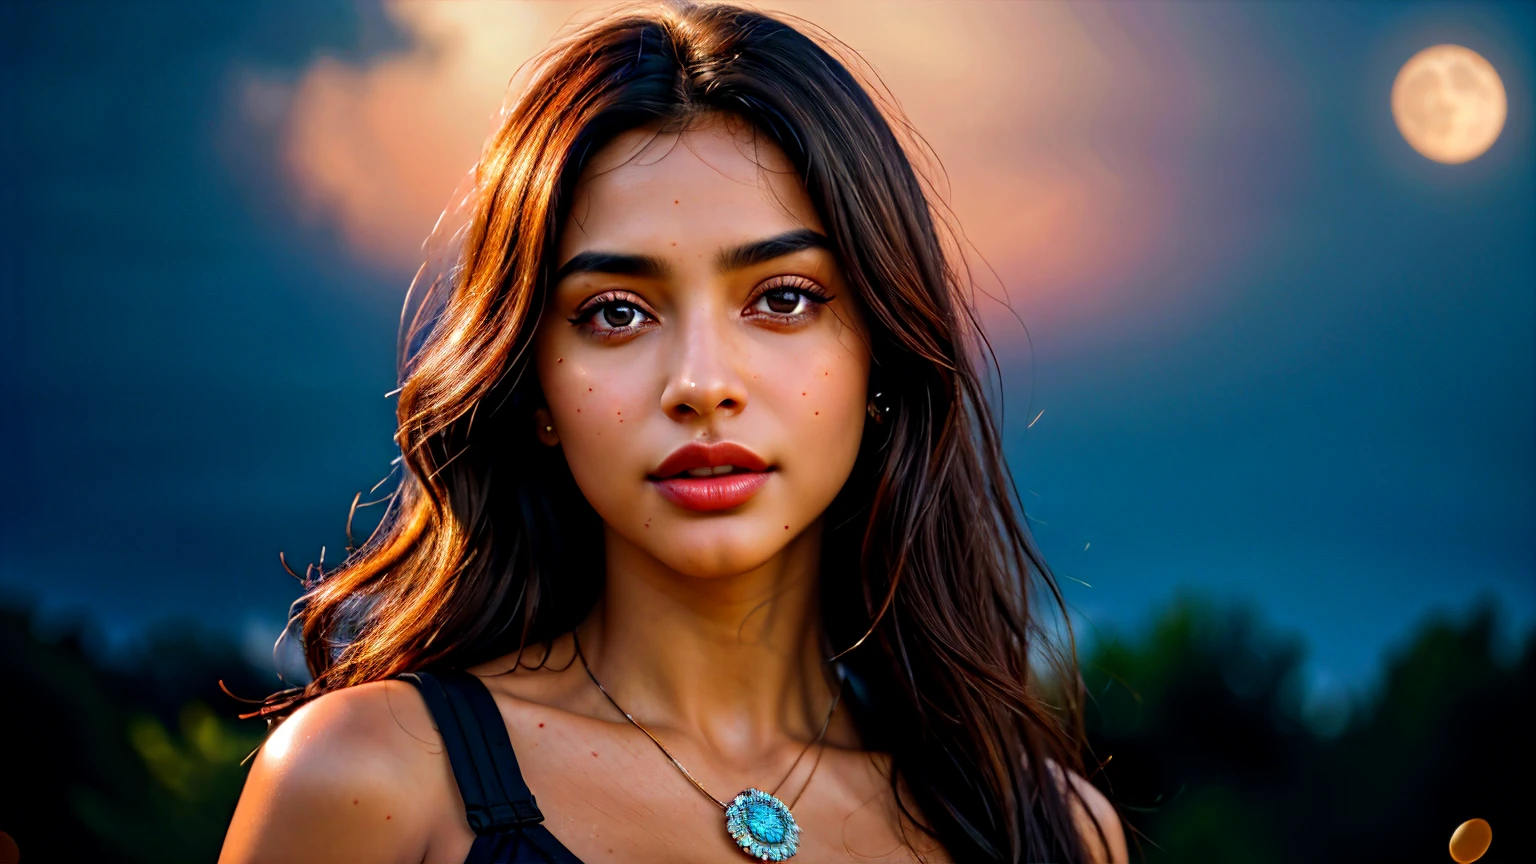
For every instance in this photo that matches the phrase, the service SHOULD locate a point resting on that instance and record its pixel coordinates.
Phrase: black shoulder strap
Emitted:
(495, 797)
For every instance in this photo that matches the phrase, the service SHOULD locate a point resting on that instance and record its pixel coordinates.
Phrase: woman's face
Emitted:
(705, 366)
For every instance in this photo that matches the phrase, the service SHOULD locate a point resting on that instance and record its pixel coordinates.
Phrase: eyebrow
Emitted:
(759, 251)
(734, 258)
(617, 263)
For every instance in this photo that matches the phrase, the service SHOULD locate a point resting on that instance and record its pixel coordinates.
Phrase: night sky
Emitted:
(1282, 359)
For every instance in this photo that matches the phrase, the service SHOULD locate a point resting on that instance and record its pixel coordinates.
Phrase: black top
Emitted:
(497, 802)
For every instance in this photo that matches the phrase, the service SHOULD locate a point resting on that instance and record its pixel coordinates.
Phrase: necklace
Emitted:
(758, 821)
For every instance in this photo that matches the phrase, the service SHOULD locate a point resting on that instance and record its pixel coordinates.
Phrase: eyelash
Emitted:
(794, 285)
(584, 316)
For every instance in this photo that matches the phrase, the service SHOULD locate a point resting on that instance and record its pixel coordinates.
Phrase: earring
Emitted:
(876, 408)
(549, 428)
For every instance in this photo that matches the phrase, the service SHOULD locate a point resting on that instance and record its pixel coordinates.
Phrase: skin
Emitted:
(708, 630)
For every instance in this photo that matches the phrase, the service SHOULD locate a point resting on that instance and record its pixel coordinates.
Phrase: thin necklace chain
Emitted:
(673, 759)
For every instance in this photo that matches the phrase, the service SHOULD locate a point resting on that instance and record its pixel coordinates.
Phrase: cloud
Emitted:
(1048, 120)
(378, 149)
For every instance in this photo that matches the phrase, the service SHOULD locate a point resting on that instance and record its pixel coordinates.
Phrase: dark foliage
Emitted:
(138, 760)
(1219, 752)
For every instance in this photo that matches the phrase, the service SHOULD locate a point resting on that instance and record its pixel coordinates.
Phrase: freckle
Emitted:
(802, 394)
(387, 817)
(818, 413)
(578, 410)
(674, 200)
(674, 242)
(354, 800)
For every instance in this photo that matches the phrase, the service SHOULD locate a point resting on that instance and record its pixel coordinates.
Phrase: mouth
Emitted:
(709, 471)
(709, 477)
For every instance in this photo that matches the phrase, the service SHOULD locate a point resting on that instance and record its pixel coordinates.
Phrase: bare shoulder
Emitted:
(351, 776)
(1095, 815)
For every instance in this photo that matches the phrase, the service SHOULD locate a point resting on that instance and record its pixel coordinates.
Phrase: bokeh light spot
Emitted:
(1470, 841)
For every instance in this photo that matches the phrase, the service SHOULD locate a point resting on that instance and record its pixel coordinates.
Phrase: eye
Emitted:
(619, 315)
(788, 299)
(609, 315)
(785, 301)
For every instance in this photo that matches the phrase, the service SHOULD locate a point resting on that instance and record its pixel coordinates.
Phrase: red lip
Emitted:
(697, 454)
(720, 492)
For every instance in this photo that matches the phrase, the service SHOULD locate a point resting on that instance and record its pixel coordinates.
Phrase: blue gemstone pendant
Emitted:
(762, 826)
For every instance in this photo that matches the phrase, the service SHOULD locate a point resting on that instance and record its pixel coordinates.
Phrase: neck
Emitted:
(735, 660)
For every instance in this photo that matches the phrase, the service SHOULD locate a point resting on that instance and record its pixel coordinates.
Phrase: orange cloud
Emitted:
(1040, 114)
(379, 149)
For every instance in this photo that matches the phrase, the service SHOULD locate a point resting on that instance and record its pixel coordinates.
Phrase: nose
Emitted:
(705, 379)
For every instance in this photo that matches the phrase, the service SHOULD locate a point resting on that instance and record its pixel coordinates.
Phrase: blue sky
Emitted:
(1333, 419)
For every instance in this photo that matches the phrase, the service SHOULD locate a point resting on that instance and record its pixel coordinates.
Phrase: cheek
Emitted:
(597, 408)
(823, 398)
(819, 396)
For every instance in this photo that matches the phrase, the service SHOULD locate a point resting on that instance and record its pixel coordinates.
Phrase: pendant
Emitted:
(762, 826)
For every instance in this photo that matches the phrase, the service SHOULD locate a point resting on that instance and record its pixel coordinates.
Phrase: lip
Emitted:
(697, 454)
(704, 494)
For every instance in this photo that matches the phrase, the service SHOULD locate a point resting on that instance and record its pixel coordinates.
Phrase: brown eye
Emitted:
(618, 314)
(788, 302)
(613, 317)
(783, 301)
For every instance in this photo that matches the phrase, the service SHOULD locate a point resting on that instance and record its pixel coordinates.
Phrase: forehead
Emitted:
(716, 184)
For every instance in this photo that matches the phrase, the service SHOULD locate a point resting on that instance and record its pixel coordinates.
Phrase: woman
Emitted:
(693, 429)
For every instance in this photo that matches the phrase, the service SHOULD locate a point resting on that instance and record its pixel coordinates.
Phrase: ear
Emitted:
(544, 428)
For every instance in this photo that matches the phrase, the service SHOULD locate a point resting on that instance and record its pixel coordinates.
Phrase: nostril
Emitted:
(682, 401)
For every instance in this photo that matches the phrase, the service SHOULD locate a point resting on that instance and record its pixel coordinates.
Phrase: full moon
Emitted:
(1449, 103)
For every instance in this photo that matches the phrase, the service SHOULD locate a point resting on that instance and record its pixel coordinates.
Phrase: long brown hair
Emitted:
(928, 573)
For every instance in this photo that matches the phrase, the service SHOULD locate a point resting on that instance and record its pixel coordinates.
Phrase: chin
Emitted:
(715, 548)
